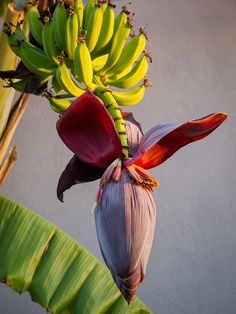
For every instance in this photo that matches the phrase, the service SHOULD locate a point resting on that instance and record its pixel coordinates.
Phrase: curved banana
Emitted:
(35, 24)
(72, 32)
(118, 75)
(107, 27)
(20, 85)
(130, 97)
(33, 58)
(16, 39)
(130, 53)
(49, 43)
(83, 64)
(99, 62)
(133, 77)
(87, 11)
(78, 7)
(59, 22)
(36, 60)
(31, 85)
(93, 26)
(55, 84)
(59, 105)
(117, 44)
(121, 18)
(64, 79)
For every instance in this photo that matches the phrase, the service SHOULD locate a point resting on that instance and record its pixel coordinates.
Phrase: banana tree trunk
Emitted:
(12, 14)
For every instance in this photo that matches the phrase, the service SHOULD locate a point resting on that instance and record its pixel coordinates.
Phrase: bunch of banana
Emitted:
(72, 48)
(75, 47)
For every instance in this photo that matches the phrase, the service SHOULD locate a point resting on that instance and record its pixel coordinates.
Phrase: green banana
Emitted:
(36, 60)
(104, 4)
(118, 75)
(94, 26)
(59, 105)
(87, 12)
(117, 44)
(133, 77)
(48, 42)
(15, 39)
(59, 22)
(130, 97)
(72, 32)
(83, 64)
(20, 85)
(130, 53)
(78, 7)
(64, 79)
(31, 84)
(99, 62)
(107, 27)
(55, 84)
(121, 18)
(35, 24)
(33, 58)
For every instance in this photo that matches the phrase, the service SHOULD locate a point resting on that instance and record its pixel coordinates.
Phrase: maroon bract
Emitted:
(88, 130)
(76, 172)
(125, 213)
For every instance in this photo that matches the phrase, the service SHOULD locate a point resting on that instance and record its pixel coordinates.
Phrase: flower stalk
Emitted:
(115, 112)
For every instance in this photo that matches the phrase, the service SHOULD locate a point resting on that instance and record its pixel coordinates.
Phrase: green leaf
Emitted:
(60, 274)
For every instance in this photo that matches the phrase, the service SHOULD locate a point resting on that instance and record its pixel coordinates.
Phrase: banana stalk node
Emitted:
(147, 54)
(146, 82)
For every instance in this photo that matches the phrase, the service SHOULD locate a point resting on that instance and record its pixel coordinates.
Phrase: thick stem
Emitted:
(8, 61)
(115, 112)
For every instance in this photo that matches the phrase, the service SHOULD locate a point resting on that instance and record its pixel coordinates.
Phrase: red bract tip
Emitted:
(162, 141)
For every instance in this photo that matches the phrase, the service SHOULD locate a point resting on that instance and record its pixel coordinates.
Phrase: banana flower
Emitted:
(125, 213)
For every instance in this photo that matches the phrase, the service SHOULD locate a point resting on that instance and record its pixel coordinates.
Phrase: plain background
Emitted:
(192, 265)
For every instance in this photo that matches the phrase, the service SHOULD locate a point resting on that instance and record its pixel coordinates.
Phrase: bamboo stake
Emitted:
(8, 164)
(16, 115)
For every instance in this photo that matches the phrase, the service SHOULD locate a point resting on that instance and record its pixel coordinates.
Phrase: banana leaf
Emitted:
(59, 274)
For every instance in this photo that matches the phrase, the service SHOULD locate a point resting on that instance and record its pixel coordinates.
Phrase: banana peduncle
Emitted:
(110, 103)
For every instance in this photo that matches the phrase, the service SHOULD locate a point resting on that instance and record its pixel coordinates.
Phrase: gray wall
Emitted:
(192, 266)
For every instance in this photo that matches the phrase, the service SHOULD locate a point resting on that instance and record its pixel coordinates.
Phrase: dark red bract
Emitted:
(88, 131)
